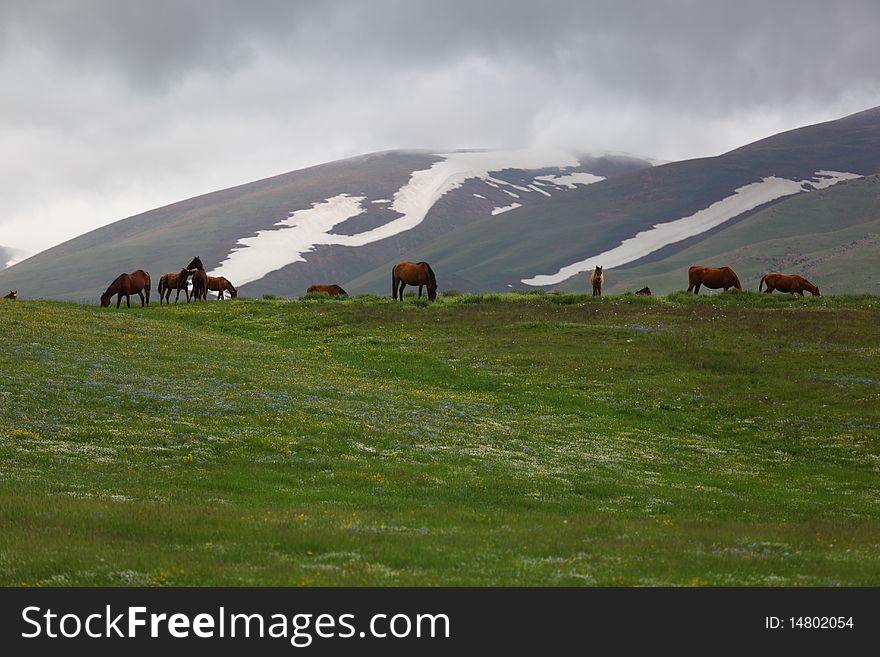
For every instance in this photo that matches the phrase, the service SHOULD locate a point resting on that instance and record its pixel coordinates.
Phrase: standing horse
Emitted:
(221, 284)
(199, 280)
(791, 283)
(195, 263)
(413, 273)
(200, 286)
(333, 290)
(712, 278)
(173, 281)
(137, 282)
(13, 294)
(597, 280)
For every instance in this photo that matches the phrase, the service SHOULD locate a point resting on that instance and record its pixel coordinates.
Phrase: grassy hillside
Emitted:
(831, 236)
(515, 439)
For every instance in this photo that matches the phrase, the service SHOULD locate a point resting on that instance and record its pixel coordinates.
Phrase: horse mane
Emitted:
(430, 274)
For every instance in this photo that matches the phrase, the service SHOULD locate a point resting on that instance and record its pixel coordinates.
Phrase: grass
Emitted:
(494, 439)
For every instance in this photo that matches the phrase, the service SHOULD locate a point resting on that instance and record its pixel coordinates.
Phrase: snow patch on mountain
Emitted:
(512, 206)
(743, 199)
(254, 257)
(571, 180)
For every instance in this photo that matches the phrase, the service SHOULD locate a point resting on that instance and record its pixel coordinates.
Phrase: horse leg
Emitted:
(697, 288)
(420, 291)
(128, 301)
(141, 295)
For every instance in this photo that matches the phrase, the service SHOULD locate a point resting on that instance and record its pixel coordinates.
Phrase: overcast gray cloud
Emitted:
(112, 107)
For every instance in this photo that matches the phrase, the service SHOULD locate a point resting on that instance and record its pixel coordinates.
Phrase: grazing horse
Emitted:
(712, 278)
(644, 292)
(597, 280)
(333, 290)
(13, 294)
(173, 281)
(413, 273)
(791, 283)
(137, 282)
(221, 284)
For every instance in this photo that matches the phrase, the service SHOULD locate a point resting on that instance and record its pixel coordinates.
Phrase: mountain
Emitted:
(10, 256)
(803, 200)
(325, 224)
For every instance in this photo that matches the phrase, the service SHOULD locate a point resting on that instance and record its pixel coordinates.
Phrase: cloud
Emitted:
(112, 107)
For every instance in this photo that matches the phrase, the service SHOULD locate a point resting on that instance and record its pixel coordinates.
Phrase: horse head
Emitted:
(195, 263)
(105, 299)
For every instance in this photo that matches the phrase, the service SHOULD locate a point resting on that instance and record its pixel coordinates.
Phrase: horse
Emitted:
(413, 273)
(221, 284)
(195, 263)
(13, 294)
(712, 278)
(200, 286)
(137, 282)
(173, 281)
(199, 279)
(333, 290)
(597, 279)
(644, 292)
(791, 283)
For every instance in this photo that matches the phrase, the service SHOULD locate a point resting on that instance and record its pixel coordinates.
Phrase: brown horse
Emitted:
(137, 282)
(173, 281)
(13, 294)
(200, 286)
(199, 280)
(644, 292)
(195, 263)
(597, 280)
(333, 290)
(791, 283)
(712, 278)
(413, 273)
(221, 284)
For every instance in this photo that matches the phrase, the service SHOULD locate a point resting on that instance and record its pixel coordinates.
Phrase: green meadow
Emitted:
(498, 439)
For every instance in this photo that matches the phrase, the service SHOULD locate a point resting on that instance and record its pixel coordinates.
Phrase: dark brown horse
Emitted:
(195, 263)
(137, 282)
(333, 290)
(413, 273)
(791, 283)
(13, 294)
(644, 292)
(712, 278)
(597, 280)
(199, 280)
(221, 284)
(173, 281)
(200, 286)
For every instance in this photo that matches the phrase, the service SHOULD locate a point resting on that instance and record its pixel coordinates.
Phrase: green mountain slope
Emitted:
(831, 236)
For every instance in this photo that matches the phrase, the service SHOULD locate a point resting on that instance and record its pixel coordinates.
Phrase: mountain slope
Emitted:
(336, 220)
(10, 256)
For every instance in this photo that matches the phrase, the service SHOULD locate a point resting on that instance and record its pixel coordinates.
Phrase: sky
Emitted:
(109, 108)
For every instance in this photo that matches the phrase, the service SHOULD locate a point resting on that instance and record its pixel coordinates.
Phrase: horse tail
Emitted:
(394, 282)
(735, 279)
(761, 284)
(147, 285)
(431, 277)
